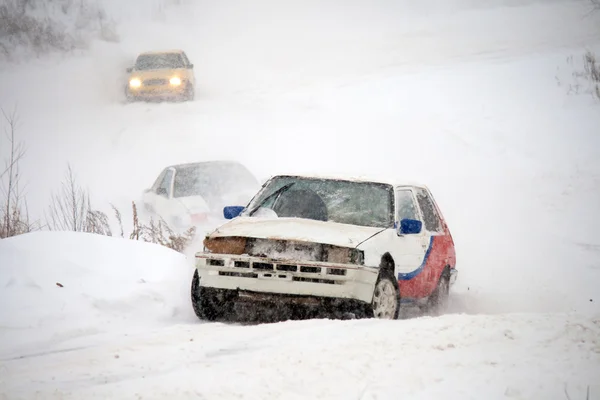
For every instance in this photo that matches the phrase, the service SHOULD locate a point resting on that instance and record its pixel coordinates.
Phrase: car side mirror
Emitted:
(161, 191)
(410, 227)
(191, 66)
(231, 212)
(130, 69)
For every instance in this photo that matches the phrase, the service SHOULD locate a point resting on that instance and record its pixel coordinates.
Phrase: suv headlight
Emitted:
(175, 81)
(135, 82)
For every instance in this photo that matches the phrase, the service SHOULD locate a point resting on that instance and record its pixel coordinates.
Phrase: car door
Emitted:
(162, 193)
(434, 228)
(410, 250)
(189, 69)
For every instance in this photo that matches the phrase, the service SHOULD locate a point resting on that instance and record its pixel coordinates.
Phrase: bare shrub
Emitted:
(97, 222)
(33, 26)
(71, 210)
(14, 213)
(586, 76)
(591, 73)
(160, 233)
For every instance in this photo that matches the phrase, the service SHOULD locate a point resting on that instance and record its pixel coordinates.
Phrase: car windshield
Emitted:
(212, 180)
(158, 61)
(346, 202)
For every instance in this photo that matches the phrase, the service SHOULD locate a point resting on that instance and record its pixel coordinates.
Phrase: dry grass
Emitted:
(159, 232)
(71, 210)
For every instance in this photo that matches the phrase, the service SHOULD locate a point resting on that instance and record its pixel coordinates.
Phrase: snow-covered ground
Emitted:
(120, 326)
(469, 97)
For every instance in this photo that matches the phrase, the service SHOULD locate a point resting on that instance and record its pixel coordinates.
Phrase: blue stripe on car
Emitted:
(410, 275)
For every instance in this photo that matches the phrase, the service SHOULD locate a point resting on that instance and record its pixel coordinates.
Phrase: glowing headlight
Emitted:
(135, 83)
(175, 81)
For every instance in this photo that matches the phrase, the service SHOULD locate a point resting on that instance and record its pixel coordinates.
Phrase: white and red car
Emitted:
(351, 245)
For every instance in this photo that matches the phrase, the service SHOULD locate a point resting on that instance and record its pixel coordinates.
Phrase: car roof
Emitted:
(354, 178)
(209, 162)
(178, 51)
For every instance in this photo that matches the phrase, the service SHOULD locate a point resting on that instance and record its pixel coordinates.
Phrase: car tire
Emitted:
(438, 301)
(206, 303)
(386, 297)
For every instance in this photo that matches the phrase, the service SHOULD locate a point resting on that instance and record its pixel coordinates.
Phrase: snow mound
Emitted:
(57, 286)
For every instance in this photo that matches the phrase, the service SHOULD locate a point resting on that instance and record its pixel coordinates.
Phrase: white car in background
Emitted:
(192, 194)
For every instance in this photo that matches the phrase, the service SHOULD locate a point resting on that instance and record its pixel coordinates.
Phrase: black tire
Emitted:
(206, 303)
(438, 301)
(386, 297)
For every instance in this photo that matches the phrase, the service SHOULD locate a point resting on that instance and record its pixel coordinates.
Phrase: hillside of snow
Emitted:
(476, 99)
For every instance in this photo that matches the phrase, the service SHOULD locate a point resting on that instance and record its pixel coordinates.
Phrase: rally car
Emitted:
(161, 75)
(357, 245)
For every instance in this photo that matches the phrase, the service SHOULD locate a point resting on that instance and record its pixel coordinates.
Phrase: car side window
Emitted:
(405, 205)
(165, 186)
(159, 180)
(430, 216)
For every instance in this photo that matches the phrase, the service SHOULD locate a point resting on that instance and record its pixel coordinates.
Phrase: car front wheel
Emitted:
(209, 303)
(386, 298)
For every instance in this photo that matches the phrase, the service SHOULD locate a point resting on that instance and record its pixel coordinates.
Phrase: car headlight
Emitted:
(175, 81)
(344, 255)
(135, 83)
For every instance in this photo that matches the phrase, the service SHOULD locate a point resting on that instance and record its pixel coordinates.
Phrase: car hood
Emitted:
(193, 204)
(158, 73)
(298, 229)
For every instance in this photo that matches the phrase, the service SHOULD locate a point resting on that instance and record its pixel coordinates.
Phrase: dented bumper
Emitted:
(291, 277)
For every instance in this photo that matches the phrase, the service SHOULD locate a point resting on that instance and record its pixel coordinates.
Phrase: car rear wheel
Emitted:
(438, 301)
(386, 298)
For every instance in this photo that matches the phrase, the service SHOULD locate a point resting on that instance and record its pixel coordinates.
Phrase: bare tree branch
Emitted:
(14, 220)
(68, 208)
(71, 209)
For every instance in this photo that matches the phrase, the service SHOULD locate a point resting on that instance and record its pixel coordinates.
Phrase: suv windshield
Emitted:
(346, 202)
(158, 61)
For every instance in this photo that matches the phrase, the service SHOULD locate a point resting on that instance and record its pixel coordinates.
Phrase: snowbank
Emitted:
(58, 286)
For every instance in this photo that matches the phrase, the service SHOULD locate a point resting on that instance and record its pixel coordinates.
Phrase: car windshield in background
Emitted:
(345, 202)
(211, 180)
(158, 61)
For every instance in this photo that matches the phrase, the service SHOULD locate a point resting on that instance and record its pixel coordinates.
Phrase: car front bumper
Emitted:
(157, 92)
(302, 278)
